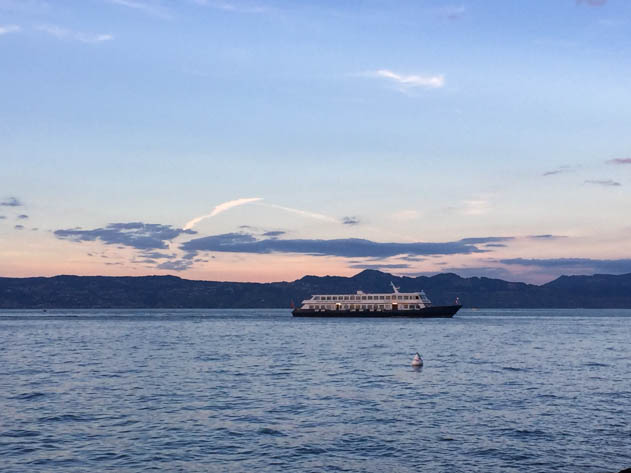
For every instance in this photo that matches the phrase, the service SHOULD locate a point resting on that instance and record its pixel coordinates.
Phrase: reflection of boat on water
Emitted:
(396, 304)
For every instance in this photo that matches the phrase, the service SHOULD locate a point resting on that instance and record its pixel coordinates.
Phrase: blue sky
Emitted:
(419, 122)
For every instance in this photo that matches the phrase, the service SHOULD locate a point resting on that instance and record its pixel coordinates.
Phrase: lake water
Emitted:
(256, 390)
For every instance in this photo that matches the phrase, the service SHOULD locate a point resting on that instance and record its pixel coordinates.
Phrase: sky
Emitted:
(266, 140)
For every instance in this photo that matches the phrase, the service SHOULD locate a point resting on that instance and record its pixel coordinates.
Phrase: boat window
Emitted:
(370, 298)
(363, 298)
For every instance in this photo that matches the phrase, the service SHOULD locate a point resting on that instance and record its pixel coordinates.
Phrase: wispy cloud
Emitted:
(221, 208)
(619, 161)
(11, 202)
(560, 170)
(350, 221)
(303, 213)
(22, 217)
(177, 265)
(63, 33)
(238, 202)
(6, 29)
(19, 227)
(156, 255)
(412, 81)
(412, 258)
(603, 182)
(154, 8)
(546, 236)
(274, 233)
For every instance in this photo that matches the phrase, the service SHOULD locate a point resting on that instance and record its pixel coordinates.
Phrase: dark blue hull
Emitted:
(445, 311)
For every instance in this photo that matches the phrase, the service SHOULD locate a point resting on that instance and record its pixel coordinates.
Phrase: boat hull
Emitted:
(445, 311)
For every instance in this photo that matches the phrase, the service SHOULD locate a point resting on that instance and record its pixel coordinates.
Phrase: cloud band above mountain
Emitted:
(343, 247)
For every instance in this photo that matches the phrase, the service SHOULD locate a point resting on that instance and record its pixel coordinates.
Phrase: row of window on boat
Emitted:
(370, 307)
(366, 298)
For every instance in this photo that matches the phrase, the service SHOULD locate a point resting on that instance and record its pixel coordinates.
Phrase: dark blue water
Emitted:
(243, 391)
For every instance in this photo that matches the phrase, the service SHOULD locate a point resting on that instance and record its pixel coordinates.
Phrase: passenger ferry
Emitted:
(395, 304)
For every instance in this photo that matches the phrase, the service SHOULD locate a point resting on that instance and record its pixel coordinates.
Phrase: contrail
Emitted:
(304, 213)
(221, 208)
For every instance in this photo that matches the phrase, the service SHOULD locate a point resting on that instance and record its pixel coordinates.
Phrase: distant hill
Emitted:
(69, 292)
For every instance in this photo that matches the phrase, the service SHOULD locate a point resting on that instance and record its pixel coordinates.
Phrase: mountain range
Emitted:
(74, 292)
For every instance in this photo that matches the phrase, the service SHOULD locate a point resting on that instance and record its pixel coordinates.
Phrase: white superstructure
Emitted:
(361, 301)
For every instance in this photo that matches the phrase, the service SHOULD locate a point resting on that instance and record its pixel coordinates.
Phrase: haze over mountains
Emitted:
(597, 291)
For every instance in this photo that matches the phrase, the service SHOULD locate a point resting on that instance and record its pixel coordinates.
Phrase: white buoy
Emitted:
(417, 360)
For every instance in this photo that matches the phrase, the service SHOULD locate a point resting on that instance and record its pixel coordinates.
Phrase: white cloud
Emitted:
(6, 29)
(63, 33)
(219, 209)
(305, 213)
(238, 202)
(428, 82)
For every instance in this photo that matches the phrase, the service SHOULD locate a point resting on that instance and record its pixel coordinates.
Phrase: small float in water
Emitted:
(417, 360)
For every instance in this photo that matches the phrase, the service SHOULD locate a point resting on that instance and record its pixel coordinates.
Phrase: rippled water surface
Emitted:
(256, 390)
